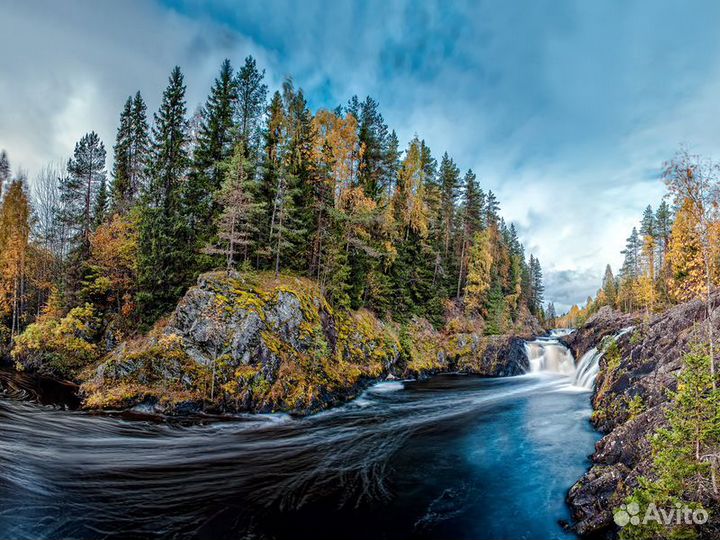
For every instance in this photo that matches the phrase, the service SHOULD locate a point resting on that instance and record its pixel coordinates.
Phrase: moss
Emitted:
(334, 352)
(62, 346)
(636, 406)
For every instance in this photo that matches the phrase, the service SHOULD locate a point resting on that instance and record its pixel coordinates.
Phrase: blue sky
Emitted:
(566, 109)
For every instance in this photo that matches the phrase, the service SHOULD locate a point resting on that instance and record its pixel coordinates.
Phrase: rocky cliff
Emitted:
(254, 342)
(629, 400)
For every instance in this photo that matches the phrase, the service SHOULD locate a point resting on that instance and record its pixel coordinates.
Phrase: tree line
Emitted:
(255, 181)
(673, 254)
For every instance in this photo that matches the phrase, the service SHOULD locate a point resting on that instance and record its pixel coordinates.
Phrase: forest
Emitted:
(671, 263)
(250, 182)
(673, 256)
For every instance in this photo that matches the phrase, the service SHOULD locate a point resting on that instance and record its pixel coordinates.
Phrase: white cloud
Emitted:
(566, 113)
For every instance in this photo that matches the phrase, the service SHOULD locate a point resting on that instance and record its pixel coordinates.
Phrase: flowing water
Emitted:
(451, 457)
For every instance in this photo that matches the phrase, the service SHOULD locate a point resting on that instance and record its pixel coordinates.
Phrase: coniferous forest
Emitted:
(254, 181)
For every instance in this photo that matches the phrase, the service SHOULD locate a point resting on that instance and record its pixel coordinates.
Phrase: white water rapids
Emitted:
(549, 355)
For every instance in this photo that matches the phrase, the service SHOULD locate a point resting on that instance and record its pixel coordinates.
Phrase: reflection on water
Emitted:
(453, 457)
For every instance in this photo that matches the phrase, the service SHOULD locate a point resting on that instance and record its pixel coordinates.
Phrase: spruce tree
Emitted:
(647, 225)
(609, 286)
(449, 179)
(538, 287)
(663, 227)
(121, 154)
(631, 263)
(391, 163)
(214, 139)
(164, 256)
(4, 170)
(470, 222)
(297, 212)
(372, 133)
(130, 155)
(213, 149)
(492, 210)
(101, 204)
(236, 221)
(79, 191)
(271, 177)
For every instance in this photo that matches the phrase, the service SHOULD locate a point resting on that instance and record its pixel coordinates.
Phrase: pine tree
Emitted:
(164, 258)
(79, 190)
(250, 108)
(690, 179)
(683, 452)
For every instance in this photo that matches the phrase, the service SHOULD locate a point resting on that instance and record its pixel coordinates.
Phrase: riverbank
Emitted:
(258, 343)
(629, 403)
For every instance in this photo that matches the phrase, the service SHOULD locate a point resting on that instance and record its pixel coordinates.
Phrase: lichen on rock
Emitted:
(257, 342)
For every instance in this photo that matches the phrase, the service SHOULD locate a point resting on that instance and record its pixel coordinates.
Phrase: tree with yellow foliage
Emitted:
(113, 261)
(695, 180)
(479, 276)
(14, 238)
(685, 257)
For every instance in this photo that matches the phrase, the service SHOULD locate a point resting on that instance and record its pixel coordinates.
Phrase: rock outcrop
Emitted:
(254, 342)
(629, 401)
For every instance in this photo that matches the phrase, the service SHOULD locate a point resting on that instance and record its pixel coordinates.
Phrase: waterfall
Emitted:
(589, 365)
(548, 354)
(587, 368)
(560, 332)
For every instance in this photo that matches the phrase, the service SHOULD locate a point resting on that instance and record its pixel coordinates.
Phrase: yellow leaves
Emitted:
(14, 236)
(65, 344)
(336, 149)
(479, 268)
(646, 294)
(114, 245)
(114, 254)
(410, 195)
(685, 257)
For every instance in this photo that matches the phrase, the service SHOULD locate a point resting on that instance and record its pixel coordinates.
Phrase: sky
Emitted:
(565, 109)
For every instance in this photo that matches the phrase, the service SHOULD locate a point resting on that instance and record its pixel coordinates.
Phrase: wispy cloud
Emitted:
(565, 109)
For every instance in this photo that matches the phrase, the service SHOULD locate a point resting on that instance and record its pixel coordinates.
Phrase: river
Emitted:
(450, 457)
